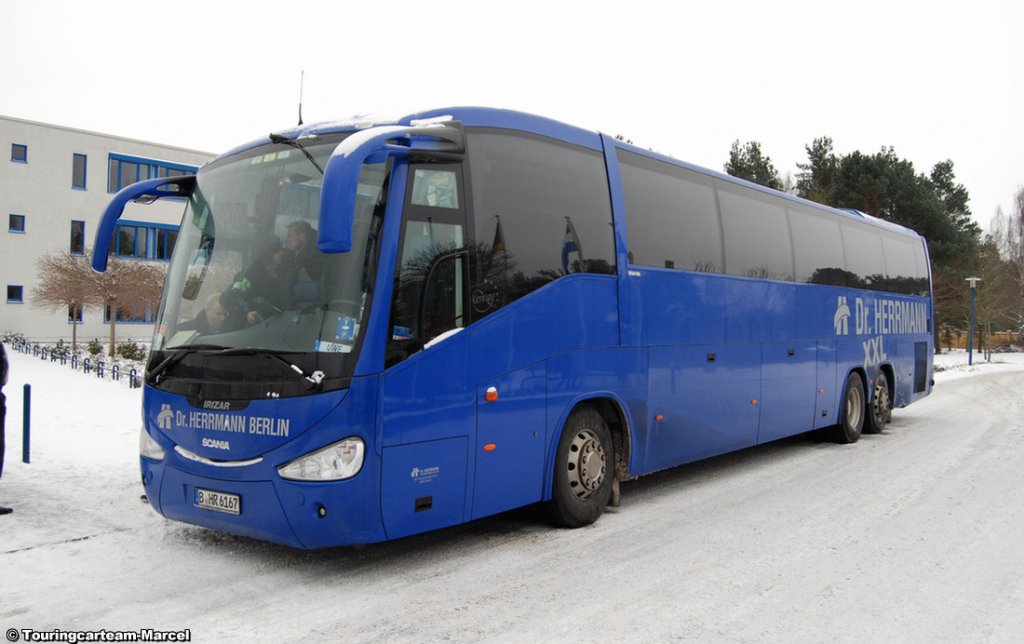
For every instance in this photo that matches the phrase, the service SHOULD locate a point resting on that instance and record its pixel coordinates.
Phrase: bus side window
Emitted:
(429, 293)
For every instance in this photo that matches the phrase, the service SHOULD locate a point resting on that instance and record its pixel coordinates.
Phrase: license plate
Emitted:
(218, 501)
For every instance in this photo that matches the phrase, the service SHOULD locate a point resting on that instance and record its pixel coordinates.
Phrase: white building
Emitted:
(54, 186)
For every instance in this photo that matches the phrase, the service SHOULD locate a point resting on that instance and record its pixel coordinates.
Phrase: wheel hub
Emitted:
(880, 406)
(587, 464)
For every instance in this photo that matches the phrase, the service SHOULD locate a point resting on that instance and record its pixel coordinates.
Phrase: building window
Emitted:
(124, 316)
(15, 294)
(77, 238)
(125, 170)
(19, 153)
(78, 171)
(74, 315)
(142, 240)
(16, 223)
(165, 240)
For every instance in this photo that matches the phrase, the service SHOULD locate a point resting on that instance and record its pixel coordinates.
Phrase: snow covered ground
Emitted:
(914, 535)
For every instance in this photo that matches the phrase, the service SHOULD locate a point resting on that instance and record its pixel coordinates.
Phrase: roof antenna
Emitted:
(302, 76)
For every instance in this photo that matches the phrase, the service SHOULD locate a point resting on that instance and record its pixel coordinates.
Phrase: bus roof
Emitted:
(543, 126)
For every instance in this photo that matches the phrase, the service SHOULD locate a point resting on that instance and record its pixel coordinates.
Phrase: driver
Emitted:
(213, 319)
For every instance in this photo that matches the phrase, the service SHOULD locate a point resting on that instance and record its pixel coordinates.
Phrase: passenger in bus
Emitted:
(306, 261)
(214, 318)
(263, 289)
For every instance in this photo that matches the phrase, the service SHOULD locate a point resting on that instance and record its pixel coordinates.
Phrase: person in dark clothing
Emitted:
(3, 414)
(264, 288)
(213, 319)
(308, 260)
(307, 263)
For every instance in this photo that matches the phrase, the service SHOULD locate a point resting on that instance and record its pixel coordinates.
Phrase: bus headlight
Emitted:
(149, 447)
(341, 460)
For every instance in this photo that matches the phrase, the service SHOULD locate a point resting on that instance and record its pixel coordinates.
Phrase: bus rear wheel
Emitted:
(584, 470)
(880, 409)
(854, 404)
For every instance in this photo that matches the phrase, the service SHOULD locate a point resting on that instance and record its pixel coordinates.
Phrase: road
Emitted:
(911, 535)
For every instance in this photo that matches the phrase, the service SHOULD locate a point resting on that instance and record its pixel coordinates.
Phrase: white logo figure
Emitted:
(415, 472)
(842, 317)
(163, 420)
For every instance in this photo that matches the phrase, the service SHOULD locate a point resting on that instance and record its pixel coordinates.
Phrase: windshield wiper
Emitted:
(277, 138)
(153, 375)
(314, 380)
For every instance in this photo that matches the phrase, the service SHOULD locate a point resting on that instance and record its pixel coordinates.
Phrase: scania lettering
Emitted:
(374, 329)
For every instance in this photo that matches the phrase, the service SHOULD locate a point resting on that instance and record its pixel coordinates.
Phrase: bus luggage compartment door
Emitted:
(423, 486)
(510, 440)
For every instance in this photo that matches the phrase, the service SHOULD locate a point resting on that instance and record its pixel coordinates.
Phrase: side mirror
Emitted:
(144, 192)
(341, 177)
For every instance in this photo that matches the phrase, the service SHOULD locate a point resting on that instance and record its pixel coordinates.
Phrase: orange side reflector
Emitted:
(490, 447)
(753, 402)
(659, 418)
(491, 395)
(821, 391)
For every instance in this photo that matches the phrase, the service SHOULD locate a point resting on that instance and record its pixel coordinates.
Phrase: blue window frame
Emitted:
(16, 223)
(15, 293)
(143, 240)
(123, 317)
(74, 315)
(77, 238)
(78, 171)
(124, 170)
(19, 153)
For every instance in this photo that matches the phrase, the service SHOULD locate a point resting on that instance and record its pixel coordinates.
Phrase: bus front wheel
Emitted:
(584, 470)
(854, 406)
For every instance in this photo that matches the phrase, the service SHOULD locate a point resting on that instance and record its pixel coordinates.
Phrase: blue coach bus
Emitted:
(375, 329)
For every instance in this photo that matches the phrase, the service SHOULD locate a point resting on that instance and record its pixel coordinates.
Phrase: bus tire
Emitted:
(584, 470)
(880, 409)
(851, 424)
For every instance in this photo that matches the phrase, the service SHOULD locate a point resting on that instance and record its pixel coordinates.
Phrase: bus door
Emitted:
(428, 399)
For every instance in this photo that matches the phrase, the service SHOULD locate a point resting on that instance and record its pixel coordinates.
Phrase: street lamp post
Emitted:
(970, 338)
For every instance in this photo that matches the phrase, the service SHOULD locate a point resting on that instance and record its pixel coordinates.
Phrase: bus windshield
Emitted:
(247, 276)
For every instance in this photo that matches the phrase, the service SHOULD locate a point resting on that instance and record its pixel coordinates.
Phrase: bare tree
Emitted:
(1008, 235)
(63, 286)
(127, 288)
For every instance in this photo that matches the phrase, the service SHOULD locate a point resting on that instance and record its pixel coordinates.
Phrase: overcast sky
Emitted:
(935, 79)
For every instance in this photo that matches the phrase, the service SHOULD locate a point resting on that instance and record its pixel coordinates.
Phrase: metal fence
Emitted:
(93, 366)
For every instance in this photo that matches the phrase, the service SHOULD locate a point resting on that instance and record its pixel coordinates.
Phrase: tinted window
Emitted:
(921, 264)
(77, 237)
(864, 256)
(756, 234)
(78, 171)
(671, 218)
(165, 240)
(901, 265)
(541, 210)
(817, 247)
